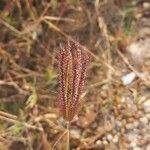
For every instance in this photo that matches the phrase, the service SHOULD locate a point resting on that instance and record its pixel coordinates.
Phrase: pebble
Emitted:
(137, 148)
(109, 137)
(129, 105)
(138, 15)
(94, 125)
(136, 131)
(146, 5)
(124, 122)
(143, 130)
(139, 114)
(132, 137)
(144, 120)
(123, 100)
(128, 78)
(104, 138)
(135, 123)
(115, 139)
(105, 142)
(129, 126)
(147, 116)
(103, 94)
(122, 130)
(98, 142)
(133, 144)
(146, 136)
(118, 124)
(130, 120)
(148, 147)
(75, 133)
(146, 106)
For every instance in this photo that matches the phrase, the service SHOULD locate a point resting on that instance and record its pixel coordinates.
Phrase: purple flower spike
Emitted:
(72, 72)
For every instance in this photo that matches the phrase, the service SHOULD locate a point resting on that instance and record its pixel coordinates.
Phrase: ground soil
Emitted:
(114, 115)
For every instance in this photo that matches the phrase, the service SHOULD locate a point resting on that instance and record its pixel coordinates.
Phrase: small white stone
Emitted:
(115, 139)
(128, 78)
(98, 142)
(122, 100)
(136, 131)
(147, 116)
(133, 144)
(137, 148)
(138, 15)
(129, 126)
(144, 120)
(139, 50)
(148, 147)
(129, 105)
(135, 123)
(146, 136)
(146, 106)
(109, 137)
(105, 142)
(146, 5)
(104, 138)
(34, 35)
(75, 133)
(132, 137)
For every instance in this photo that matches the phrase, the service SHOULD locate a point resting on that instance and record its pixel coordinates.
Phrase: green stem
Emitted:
(68, 136)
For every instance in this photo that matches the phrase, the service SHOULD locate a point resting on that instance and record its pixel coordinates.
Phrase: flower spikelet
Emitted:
(72, 72)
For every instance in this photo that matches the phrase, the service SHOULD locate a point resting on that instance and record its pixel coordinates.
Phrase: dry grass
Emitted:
(31, 34)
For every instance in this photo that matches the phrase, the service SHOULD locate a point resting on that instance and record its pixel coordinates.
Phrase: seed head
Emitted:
(72, 72)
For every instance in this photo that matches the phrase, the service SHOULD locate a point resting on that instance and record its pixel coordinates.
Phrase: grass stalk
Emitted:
(68, 136)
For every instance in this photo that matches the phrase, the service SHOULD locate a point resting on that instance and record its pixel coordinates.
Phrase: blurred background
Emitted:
(116, 110)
